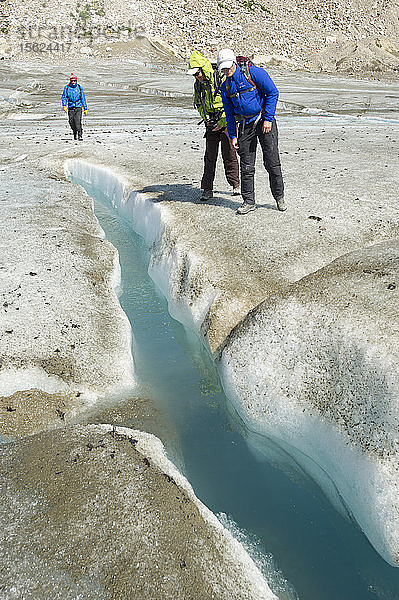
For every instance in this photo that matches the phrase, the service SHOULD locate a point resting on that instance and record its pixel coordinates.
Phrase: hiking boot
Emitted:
(236, 191)
(75, 136)
(206, 195)
(245, 208)
(80, 139)
(281, 204)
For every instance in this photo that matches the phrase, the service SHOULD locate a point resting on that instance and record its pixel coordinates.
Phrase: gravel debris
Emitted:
(359, 37)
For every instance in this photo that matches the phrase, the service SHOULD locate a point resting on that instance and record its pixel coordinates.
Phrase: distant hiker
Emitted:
(249, 99)
(208, 102)
(73, 102)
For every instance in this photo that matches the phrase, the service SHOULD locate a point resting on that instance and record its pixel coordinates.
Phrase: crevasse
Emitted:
(364, 485)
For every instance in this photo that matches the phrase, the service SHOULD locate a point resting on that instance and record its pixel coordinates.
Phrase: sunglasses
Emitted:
(197, 73)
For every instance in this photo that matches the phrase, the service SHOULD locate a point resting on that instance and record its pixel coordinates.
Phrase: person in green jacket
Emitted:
(208, 101)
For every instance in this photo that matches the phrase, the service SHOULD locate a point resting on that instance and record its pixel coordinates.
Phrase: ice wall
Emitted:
(316, 369)
(179, 275)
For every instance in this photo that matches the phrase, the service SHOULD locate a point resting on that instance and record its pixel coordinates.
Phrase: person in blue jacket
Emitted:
(250, 105)
(73, 102)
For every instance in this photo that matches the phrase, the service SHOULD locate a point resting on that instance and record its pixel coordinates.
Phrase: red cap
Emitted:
(73, 77)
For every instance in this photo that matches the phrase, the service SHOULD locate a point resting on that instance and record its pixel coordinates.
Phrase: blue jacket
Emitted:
(74, 96)
(249, 104)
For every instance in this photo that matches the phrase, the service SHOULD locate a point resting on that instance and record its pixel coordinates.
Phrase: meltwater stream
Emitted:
(321, 553)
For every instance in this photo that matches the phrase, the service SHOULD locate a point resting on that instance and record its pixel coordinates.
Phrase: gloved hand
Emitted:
(85, 112)
(65, 109)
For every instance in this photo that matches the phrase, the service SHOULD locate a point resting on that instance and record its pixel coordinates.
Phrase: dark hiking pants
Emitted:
(230, 160)
(75, 121)
(247, 141)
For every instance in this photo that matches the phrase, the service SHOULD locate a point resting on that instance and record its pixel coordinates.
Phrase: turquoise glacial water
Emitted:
(279, 513)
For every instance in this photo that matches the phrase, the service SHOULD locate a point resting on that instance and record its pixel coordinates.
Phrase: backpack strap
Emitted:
(80, 95)
(250, 89)
(244, 63)
(244, 68)
(247, 73)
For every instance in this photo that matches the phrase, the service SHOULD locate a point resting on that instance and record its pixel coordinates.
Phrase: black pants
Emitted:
(229, 155)
(75, 121)
(248, 137)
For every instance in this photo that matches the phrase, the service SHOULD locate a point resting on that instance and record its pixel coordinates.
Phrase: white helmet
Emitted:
(225, 59)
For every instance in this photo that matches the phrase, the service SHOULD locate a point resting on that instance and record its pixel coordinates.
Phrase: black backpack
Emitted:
(200, 89)
(217, 78)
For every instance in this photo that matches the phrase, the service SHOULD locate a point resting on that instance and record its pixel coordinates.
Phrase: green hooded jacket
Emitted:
(206, 100)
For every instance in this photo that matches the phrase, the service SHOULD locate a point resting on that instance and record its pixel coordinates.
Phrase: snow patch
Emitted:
(28, 378)
(16, 380)
(28, 116)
